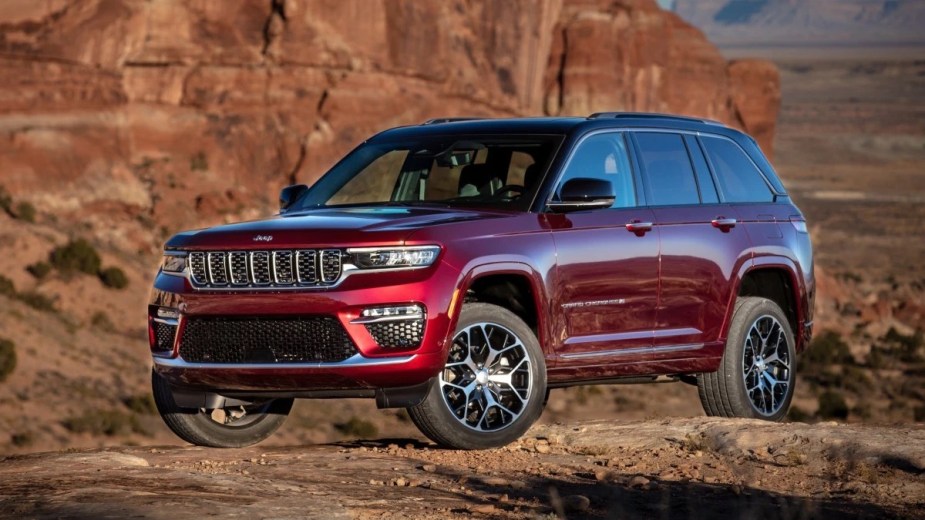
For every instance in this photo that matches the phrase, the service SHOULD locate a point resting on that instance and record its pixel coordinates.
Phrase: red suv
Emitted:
(463, 268)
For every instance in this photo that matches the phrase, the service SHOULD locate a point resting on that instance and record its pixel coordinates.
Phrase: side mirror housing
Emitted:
(289, 195)
(584, 193)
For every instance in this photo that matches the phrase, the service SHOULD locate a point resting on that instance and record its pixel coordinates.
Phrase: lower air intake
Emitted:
(304, 339)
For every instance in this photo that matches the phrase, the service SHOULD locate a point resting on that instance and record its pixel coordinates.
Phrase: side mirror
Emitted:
(583, 193)
(289, 195)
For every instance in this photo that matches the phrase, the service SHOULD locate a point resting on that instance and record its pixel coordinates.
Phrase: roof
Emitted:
(555, 125)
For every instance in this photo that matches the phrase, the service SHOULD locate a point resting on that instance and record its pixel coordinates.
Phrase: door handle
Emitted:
(638, 227)
(724, 224)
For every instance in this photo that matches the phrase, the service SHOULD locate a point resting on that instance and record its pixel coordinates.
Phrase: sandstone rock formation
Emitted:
(154, 116)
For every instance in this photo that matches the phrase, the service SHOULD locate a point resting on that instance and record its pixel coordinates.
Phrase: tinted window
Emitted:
(446, 170)
(668, 168)
(604, 156)
(739, 180)
(704, 178)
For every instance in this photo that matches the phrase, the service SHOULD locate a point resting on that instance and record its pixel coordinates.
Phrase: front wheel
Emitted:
(230, 427)
(491, 389)
(758, 372)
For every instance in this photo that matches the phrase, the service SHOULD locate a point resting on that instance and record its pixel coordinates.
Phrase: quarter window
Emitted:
(738, 178)
(604, 156)
(667, 166)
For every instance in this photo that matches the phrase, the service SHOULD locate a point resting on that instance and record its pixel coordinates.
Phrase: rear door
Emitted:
(702, 245)
(742, 184)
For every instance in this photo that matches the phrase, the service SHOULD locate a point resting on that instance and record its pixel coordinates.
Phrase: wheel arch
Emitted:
(516, 286)
(777, 279)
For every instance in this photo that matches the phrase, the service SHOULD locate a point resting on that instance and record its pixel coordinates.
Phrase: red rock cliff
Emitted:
(132, 113)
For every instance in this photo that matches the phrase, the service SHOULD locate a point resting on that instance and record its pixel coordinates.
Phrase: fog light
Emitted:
(402, 312)
(167, 313)
(399, 326)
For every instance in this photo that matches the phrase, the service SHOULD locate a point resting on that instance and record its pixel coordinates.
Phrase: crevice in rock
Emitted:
(303, 152)
(277, 11)
(321, 102)
(560, 74)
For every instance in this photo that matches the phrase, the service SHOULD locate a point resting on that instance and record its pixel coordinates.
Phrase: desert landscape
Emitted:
(123, 122)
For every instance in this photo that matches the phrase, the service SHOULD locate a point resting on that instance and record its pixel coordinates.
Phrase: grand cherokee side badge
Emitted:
(263, 238)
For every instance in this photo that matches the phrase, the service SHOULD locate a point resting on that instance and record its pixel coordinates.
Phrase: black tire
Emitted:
(434, 417)
(197, 426)
(742, 386)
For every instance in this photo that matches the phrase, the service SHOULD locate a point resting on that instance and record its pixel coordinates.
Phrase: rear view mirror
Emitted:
(454, 159)
(289, 195)
(461, 153)
(584, 193)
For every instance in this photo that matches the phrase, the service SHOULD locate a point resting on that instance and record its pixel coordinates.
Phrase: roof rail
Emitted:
(441, 120)
(653, 115)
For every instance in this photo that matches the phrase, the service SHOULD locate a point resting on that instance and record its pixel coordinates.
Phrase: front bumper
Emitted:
(373, 366)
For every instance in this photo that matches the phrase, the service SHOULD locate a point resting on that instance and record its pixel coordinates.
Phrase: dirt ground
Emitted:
(688, 468)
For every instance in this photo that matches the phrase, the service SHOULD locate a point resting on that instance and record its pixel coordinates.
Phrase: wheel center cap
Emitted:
(481, 377)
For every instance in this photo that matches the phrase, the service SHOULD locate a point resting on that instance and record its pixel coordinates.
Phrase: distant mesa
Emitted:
(807, 22)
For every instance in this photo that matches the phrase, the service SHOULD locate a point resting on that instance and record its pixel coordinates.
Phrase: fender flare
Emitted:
(769, 262)
(540, 301)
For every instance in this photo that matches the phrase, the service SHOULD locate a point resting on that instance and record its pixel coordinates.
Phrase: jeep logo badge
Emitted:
(263, 238)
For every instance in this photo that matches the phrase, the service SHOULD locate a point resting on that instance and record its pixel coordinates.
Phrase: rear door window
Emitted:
(667, 167)
(738, 178)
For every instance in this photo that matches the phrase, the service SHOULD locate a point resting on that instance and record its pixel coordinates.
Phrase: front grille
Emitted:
(398, 333)
(305, 339)
(265, 269)
(164, 335)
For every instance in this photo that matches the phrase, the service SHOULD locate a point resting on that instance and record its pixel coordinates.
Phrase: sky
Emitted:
(665, 3)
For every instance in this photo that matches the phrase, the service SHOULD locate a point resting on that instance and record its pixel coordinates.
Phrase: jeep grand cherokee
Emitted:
(462, 268)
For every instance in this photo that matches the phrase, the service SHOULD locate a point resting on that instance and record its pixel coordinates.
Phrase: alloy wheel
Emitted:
(766, 365)
(487, 379)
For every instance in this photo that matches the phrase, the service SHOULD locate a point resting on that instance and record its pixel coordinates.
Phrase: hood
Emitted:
(329, 227)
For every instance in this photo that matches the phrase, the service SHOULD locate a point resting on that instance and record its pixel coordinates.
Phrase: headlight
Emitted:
(394, 257)
(173, 263)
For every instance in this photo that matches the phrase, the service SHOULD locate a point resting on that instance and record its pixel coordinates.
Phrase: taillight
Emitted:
(799, 223)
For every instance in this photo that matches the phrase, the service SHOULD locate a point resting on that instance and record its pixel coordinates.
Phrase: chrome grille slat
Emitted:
(197, 263)
(282, 268)
(330, 265)
(237, 267)
(260, 267)
(218, 274)
(306, 266)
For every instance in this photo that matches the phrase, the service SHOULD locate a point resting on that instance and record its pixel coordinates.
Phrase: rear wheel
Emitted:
(492, 387)
(758, 372)
(229, 427)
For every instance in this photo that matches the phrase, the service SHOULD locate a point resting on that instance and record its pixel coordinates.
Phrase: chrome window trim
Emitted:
(624, 130)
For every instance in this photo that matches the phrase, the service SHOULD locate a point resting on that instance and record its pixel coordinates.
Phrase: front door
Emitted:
(607, 263)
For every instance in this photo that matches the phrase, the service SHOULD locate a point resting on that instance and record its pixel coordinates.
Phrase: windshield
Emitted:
(459, 170)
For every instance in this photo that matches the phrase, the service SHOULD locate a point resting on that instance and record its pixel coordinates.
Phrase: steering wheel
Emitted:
(515, 189)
